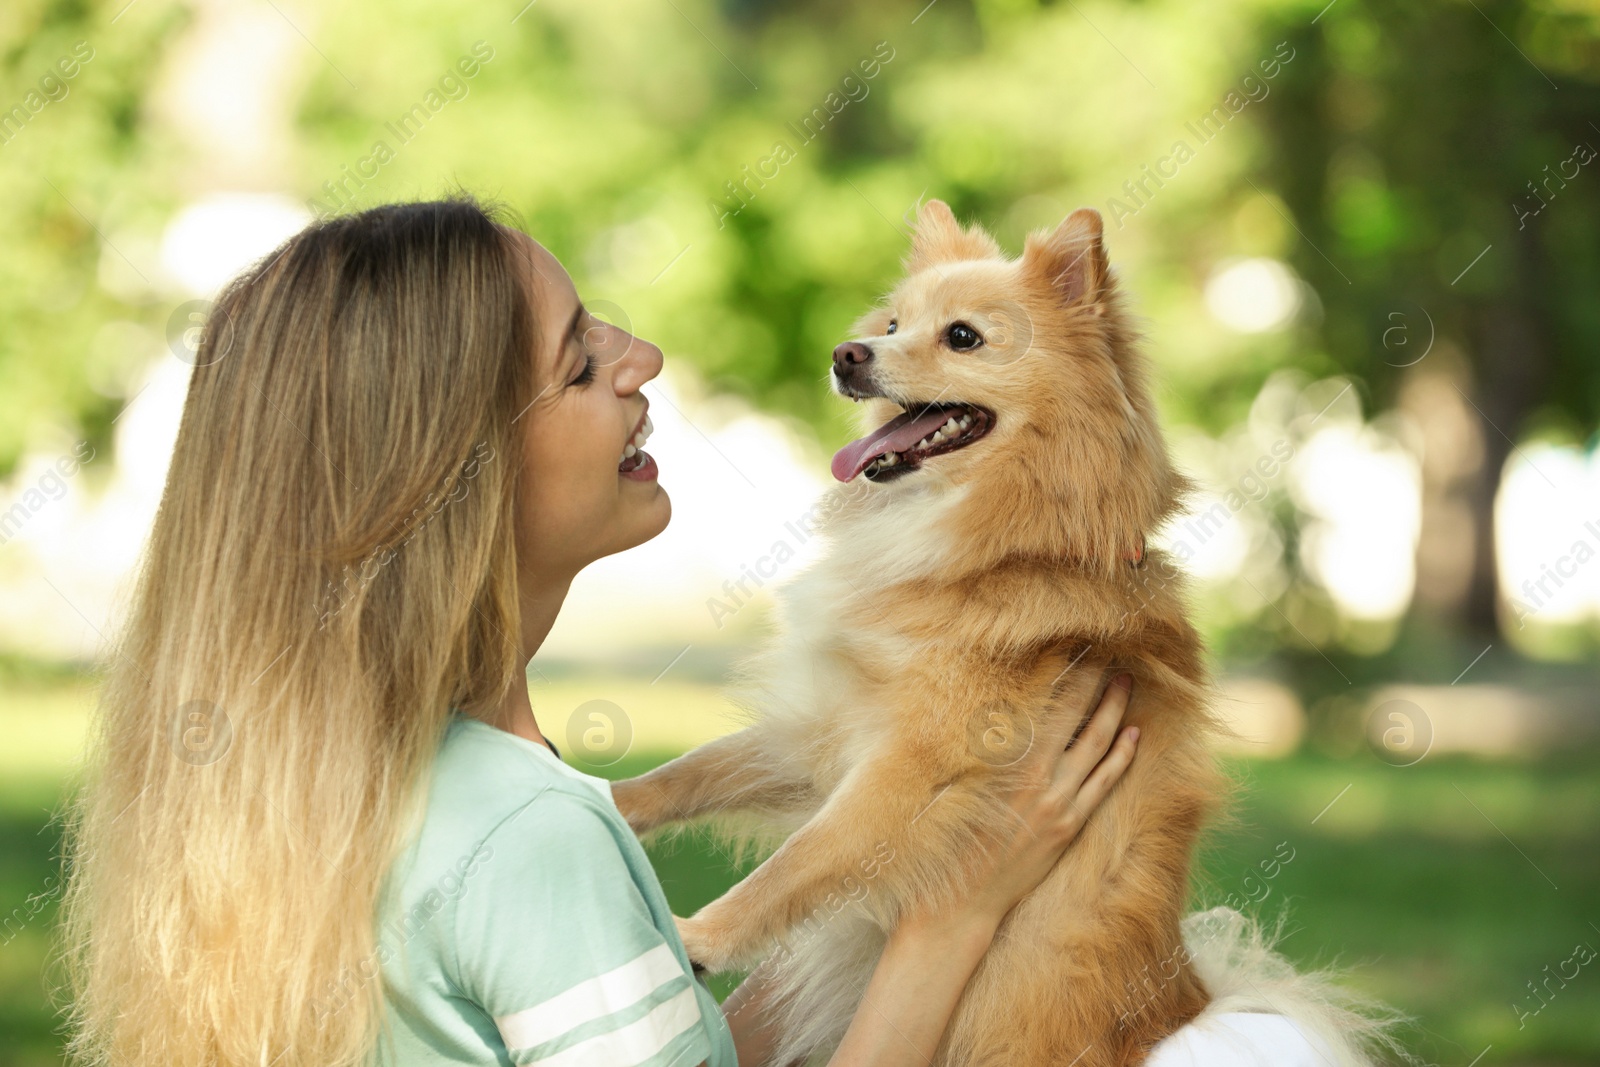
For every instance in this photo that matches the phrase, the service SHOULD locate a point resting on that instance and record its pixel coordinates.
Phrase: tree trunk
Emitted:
(1513, 357)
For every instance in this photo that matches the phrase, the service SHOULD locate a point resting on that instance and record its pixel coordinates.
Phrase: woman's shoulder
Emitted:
(485, 780)
(526, 903)
(490, 773)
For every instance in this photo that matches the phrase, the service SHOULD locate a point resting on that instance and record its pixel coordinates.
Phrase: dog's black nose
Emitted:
(847, 357)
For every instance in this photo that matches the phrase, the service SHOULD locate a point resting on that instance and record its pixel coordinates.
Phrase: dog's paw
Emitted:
(687, 934)
(707, 947)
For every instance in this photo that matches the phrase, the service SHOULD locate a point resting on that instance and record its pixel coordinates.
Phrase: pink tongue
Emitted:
(896, 435)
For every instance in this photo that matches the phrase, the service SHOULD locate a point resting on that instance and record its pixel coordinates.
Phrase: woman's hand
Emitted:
(1049, 813)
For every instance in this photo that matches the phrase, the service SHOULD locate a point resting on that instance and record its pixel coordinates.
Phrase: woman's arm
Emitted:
(930, 956)
(750, 1021)
(919, 979)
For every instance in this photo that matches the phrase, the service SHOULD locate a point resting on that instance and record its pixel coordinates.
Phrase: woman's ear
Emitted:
(1072, 260)
(939, 238)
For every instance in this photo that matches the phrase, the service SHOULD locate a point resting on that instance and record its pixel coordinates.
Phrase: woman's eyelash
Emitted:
(586, 375)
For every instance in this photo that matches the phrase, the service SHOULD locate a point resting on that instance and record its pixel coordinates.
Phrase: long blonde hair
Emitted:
(331, 571)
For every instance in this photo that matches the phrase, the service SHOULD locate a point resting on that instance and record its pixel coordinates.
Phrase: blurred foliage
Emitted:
(732, 180)
(84, 163)
(1441, 161)
(1425, 135)
(659, 150)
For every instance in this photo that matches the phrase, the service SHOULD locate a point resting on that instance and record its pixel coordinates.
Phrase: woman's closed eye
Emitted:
(578, 336)
(586, 375)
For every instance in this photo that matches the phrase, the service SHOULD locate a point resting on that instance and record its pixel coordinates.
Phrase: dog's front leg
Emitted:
(904, 826)
(886, 835)
(732, 773)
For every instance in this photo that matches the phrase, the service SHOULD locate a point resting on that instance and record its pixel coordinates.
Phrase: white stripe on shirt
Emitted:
(635, 1043)
(590, 1000)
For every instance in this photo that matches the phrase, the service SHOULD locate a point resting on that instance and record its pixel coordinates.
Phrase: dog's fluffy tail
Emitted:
(1234, 957)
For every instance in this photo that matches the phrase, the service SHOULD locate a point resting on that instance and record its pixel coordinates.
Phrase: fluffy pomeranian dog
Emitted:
(986, 567)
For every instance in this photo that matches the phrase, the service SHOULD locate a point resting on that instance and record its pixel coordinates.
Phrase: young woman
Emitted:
(323, 826)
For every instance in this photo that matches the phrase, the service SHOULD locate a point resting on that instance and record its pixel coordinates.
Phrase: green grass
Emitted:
(1407, 878)
(1446, 887)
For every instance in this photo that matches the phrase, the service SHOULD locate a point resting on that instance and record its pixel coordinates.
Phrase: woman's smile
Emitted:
(636, 463)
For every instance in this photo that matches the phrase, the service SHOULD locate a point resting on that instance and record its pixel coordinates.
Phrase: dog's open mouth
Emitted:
(905, 442)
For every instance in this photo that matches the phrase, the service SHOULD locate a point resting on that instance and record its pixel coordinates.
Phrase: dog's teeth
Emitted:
(950, 425)
(966, 422)
(938, 437)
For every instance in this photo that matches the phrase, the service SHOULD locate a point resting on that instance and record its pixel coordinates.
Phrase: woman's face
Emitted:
(586, 490)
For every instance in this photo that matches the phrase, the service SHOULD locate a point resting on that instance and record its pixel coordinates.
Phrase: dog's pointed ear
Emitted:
(1072, 260)
(939, 238)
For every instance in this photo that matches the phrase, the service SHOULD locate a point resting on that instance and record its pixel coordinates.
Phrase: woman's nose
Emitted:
(640, 362)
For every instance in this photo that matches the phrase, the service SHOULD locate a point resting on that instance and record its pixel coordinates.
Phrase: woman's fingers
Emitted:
(1053, 807)
(1108, 770)
(1075, 765)
(1076, 805)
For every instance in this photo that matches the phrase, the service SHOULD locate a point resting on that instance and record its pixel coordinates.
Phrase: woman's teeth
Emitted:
(633, 446)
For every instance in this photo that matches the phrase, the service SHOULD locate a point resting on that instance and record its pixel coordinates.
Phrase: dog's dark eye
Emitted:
(893, 326)
(962, 337)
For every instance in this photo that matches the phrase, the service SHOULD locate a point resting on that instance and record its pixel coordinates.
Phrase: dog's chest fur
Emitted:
(827, 683)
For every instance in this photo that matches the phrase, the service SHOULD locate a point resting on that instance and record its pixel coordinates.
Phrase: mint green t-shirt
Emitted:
(528, 927)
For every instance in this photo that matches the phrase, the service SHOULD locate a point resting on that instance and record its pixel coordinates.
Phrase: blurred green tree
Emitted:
(76, 159)
(732, 179)
(1444, 158)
